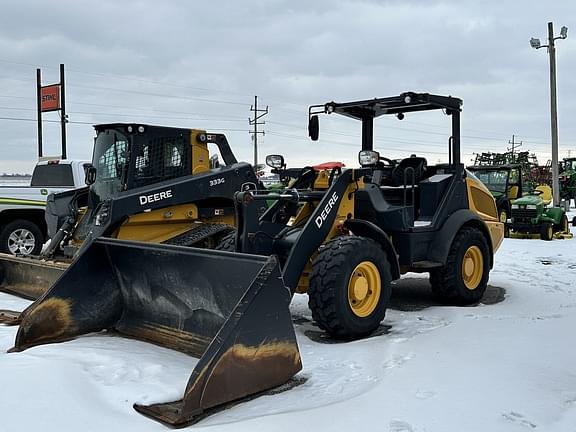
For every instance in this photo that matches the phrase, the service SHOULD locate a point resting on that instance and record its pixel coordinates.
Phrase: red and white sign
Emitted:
(50, 98)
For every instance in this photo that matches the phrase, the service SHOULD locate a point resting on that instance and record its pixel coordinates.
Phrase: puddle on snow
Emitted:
(415, 294)
(321, 336)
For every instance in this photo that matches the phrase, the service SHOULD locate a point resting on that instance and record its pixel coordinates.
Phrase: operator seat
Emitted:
(418, 164)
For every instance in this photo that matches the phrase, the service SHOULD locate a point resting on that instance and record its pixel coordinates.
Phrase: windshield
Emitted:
(570, 165)
(111, 162)
(495, 181)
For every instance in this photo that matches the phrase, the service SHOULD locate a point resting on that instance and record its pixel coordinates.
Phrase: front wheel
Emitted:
(464, 277)
(21, 237)
(546, 231)
(350, 286)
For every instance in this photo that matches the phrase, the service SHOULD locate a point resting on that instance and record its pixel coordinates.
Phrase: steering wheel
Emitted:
(389, 162)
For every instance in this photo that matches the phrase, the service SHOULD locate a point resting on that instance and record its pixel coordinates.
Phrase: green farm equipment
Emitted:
(531, 216)
(567, 179)
(505, 183)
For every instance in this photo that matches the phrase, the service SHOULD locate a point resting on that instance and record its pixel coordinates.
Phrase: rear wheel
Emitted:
(21, 237)
(546, 231)
(563, 226)
(464, 277)
(349, 287)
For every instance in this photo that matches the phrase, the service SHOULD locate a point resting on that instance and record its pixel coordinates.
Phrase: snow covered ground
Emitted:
(507, 364)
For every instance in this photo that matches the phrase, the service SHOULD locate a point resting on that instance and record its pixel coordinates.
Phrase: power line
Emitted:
(43, 120)
(129, 78)
(169, 96)
(348, 144)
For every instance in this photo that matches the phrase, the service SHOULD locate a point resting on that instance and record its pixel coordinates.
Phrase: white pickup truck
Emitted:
(22, 225)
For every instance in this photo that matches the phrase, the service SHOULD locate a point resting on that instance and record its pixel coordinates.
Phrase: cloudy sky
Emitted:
(198, 64)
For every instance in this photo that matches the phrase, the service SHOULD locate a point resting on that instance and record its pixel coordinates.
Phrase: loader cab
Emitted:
(402, 194)
(130, 156)
(567, 165)
(502, 181)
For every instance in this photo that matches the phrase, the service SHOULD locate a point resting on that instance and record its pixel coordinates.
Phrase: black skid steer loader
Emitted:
(147, 183)
(342, 235)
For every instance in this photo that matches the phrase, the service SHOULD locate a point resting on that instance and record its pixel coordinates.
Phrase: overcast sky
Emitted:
(198, 64)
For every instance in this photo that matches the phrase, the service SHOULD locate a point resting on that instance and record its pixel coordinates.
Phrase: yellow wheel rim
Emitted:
(503, 216)
(550, 232)
(472, 267)
(364, 289)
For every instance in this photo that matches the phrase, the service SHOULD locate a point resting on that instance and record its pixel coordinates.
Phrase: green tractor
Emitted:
(505, 183)
(530, 215)
(567, 179)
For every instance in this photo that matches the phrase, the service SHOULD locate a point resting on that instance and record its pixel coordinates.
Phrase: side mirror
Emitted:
(214, 161)
(314, 128)
(275, 161)
(90, 175)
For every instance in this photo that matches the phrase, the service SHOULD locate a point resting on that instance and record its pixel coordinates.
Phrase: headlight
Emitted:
(531, 206)
(368, 157)
(515, 206)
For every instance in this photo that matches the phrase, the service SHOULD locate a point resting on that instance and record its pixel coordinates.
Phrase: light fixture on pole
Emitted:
(535, 43)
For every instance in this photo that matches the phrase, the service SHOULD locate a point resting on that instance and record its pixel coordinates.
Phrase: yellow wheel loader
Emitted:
(147, 183)
(341, 235)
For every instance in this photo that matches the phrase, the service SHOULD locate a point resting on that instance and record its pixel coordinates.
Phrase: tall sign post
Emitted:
(51, 98)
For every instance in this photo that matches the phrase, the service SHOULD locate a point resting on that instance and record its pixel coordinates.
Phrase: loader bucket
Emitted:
(28, 277)
(230, 310)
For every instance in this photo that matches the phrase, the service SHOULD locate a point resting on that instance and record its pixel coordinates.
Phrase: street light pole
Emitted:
(553, 116)
(535, 43)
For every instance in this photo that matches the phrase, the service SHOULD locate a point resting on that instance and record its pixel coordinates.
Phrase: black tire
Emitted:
(563, 226)
(228, 242)
(21, 230)
(506, 231)
(546, 231)
(332, 272)
(503, 215)
(448, 282)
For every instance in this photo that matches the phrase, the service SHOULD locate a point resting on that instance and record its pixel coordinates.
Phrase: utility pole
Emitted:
(514, 146)
(535, 43)
(553, 115)
(258, 114)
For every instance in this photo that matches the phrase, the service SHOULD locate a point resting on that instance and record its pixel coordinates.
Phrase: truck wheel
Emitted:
(350, 285)
(21, 237)
(546, 231)
(464, 277)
